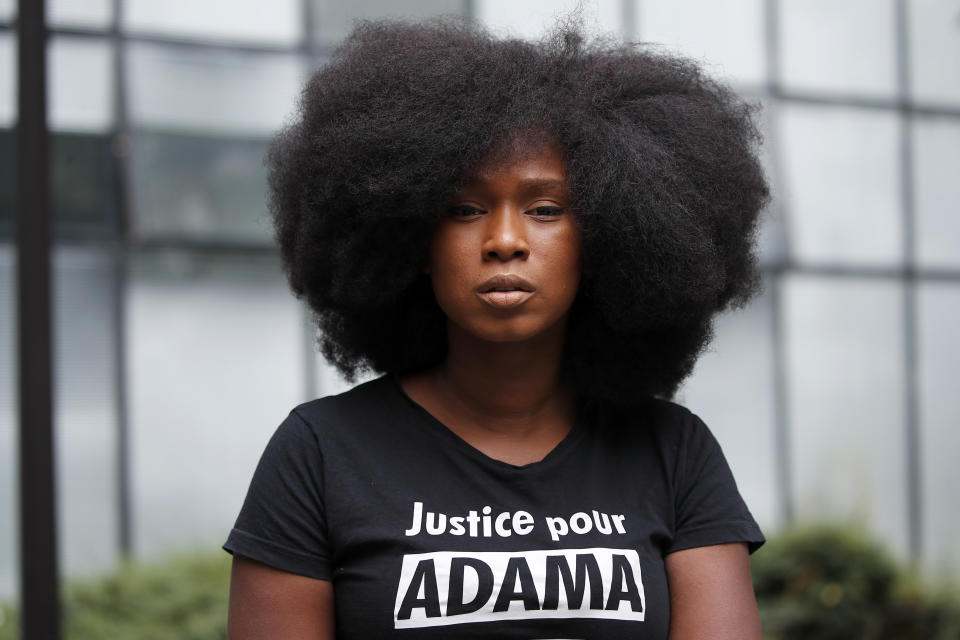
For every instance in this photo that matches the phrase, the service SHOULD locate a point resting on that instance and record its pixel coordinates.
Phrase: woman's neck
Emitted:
(505, 380)
(506, 399)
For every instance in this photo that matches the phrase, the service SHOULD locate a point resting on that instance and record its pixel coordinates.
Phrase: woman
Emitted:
(530, 241)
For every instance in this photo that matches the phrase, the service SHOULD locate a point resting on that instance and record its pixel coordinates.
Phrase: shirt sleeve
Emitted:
(282, 521)
(709, 509)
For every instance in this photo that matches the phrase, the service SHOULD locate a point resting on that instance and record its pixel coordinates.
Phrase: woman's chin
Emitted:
(517, 331)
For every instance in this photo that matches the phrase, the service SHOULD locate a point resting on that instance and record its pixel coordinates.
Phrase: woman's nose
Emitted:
(505, 235)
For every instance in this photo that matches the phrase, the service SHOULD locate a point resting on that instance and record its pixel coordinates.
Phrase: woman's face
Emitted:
(505, 261)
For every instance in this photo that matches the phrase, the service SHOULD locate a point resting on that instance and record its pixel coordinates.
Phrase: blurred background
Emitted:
(178, 349)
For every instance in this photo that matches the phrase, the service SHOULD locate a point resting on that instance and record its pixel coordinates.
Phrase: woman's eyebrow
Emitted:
(544, 183)
(551, 185)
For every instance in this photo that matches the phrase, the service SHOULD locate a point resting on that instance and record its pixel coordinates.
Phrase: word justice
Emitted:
(484, 524)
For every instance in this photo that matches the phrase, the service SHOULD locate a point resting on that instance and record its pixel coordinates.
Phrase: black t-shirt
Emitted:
(424, 536)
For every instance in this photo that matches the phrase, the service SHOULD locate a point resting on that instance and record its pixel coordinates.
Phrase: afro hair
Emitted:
(662, 162)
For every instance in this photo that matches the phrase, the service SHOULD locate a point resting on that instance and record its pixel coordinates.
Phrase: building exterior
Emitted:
(178, 348)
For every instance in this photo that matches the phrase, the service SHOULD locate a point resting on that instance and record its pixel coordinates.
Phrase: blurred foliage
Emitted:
(182, 599)
(812, 583)
(834, 583)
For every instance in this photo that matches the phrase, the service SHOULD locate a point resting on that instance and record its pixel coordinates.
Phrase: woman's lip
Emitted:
(505, 299)
(505, 281)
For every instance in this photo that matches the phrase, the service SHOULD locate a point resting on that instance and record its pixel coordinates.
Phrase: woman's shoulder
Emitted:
(363, 396)
(652, 426)
(367, 411)
(650, 415)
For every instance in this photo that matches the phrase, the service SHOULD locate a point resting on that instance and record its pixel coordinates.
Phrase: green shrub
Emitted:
(8, 622)
(182, 599)
(812, 583)
(834, 583)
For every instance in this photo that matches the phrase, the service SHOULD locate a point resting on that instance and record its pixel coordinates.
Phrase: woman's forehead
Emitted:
(522, 149)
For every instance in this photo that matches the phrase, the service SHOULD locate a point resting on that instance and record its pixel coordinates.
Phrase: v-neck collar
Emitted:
(430, 422)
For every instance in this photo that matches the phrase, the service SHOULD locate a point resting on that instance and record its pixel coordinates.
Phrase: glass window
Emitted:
(208, 91)
(81, 84)
(201, 124)
(215, 357)
(8, 9)
(7, 169)
(841, 177)
(8, 80)
(200, 187)
(936, 159)
(939, 307)
(934, 51)
(732, 390)
(531, 19)
(772, 238)
(83, 178)
(85, 409)
(333, 19)
(9, 449)
(81, 115)
(727, 36)
(839, 47)
(8, 109)
(844, 350)
(255, 21)
(96, 14)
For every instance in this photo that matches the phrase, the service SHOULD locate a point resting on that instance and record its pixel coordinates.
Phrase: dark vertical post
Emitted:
(910, 370)
(310, 47)
(783, 452)
(628, 15)
(308, 38)
(38, 526)
(311, 380)
(120, 149)
(118, 265)
(781, 400)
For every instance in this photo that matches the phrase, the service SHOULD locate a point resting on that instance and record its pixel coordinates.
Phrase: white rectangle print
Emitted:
(455, 587)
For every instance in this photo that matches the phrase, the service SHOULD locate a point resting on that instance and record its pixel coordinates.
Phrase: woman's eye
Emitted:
(547, 211)
(464, 211)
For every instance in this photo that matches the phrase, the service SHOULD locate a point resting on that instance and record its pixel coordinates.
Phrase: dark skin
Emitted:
(500, 389)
